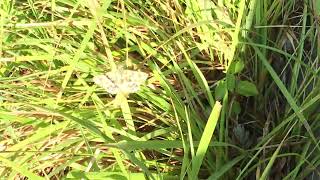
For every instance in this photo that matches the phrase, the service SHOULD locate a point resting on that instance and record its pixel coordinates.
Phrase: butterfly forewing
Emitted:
(135, 76)
(124, 81)
(106, 83)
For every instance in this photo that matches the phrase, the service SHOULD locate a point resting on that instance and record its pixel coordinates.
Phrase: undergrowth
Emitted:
(232, 89)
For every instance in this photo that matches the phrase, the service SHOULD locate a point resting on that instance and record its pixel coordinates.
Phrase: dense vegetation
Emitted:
(232, 89)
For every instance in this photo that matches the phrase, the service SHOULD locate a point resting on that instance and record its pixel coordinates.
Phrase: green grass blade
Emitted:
(20, 169)
(286, 94)
(205, 139)
(225, 168)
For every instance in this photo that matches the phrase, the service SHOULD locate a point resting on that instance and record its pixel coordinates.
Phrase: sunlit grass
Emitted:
(232, 89)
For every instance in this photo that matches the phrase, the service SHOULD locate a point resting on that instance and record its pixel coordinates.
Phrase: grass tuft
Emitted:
(232, 89)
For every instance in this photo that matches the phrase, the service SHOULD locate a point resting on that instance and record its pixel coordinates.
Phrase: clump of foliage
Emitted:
(232, 89)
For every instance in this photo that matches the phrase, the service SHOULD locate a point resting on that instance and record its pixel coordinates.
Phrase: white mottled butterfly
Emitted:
(121, 81)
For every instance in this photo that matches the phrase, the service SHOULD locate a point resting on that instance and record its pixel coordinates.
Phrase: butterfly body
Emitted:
(121, 81)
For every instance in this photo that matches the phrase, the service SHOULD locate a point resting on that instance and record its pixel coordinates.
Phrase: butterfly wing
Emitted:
(132, 80)
(124, 81)
(135, 76)
(108, 84)
(130, 87)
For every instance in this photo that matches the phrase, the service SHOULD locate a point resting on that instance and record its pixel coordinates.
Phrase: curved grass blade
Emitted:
(287, 95)
(83, 123)
(20, 169)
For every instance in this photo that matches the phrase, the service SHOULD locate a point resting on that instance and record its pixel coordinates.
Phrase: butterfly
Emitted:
(121, 81)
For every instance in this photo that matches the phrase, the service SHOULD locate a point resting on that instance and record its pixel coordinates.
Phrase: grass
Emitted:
(232, 89)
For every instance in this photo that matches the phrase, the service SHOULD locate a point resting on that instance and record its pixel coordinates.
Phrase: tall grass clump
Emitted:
(232, 89)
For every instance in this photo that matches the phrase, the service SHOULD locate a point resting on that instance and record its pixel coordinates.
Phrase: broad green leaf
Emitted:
(236, 108)
(246, 88)
(220, 90)
(231, 82)
(239, 66)
(236, 67)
